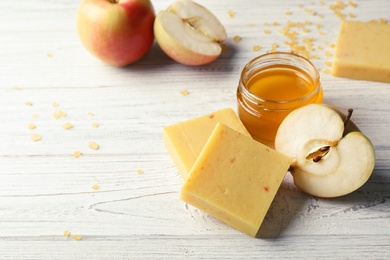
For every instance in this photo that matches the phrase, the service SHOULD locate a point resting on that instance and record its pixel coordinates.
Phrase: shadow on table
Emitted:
(156, 60)
(373, 194)
(285, 207)
(289, 203)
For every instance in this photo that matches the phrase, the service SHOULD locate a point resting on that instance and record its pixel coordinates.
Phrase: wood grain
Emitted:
(45, 191)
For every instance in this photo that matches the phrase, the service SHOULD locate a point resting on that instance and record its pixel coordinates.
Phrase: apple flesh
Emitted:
(331, 157)
(118, 32)
(189, 33)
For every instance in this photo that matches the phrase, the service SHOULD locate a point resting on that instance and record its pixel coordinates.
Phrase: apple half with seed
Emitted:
(189, 33)
(332, 157)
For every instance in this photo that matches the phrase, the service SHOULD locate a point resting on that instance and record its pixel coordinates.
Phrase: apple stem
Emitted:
(350, 111)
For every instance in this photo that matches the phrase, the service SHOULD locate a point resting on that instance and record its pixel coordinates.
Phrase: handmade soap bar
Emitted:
(185, 140)
(235, 179)
(363, 51)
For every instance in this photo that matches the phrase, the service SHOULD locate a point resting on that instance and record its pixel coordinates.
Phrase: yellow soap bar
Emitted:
(363, 51)
(184, 141)
(235, 179)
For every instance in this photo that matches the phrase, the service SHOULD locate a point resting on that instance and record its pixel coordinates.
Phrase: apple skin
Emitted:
(117, 32)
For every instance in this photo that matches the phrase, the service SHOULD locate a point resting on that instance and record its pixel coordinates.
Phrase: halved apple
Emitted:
(189, 33)
(328, 161)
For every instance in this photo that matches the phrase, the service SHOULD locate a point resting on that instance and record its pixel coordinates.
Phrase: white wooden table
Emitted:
(134, 212)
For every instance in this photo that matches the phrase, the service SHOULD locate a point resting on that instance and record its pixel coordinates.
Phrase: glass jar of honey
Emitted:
(270, 87)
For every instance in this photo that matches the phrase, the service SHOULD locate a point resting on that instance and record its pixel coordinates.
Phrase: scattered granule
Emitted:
(266, 24)
(251, 25)
(305, 30)
(231, 13)
(314, 57)
(319, 47)
(140, 171)
(308, 41)
(91, 114)
(56, 115)
(338, 6)
(267, 31)
(49, 55)
(18, 88)
(351, 15)
(35, 116)
(318, 26)
(67, 125)
(274, 47)
(288, 13)
(321, 2)
(340, 15)
(95, 187)
(353, 4)
(300, 6)
(36, 137)
(95, 125)
(256, 47)
(55, 104)
(184, 92)
(77, 154)
(66, 233)
(383, 21)
(62, 113)
(31, 126)
(328, 54)
(332, 45)
(328, 63)
(327, 71)
(275, 24)
(236, 39)
(320, 16)
(29, 104)
(310, 11)
(93, 145)
(322, 33)
(76, 237)
(307, 22)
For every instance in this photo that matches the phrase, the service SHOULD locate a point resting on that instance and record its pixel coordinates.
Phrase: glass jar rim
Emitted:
(314, 74)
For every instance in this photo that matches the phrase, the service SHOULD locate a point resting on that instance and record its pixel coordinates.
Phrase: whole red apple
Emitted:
(118, 32)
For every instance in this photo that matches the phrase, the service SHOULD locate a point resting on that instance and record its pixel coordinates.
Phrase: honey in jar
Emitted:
(270, 87)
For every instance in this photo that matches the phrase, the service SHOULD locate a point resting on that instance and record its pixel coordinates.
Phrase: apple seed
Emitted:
(325, 148)
(317, 155)
(317, 158)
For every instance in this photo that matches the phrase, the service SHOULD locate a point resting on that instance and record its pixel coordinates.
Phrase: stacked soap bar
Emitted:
(185, 140)
(363, 51)
(234, 178)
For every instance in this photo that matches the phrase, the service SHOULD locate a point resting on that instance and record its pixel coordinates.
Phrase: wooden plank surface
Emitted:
(134, 214)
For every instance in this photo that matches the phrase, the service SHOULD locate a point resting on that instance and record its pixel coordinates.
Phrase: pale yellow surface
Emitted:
(363, 51)
(235, 179)
(185, 140)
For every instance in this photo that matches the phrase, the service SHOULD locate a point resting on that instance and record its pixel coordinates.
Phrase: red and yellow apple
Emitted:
(189, 33)
(118, 32)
